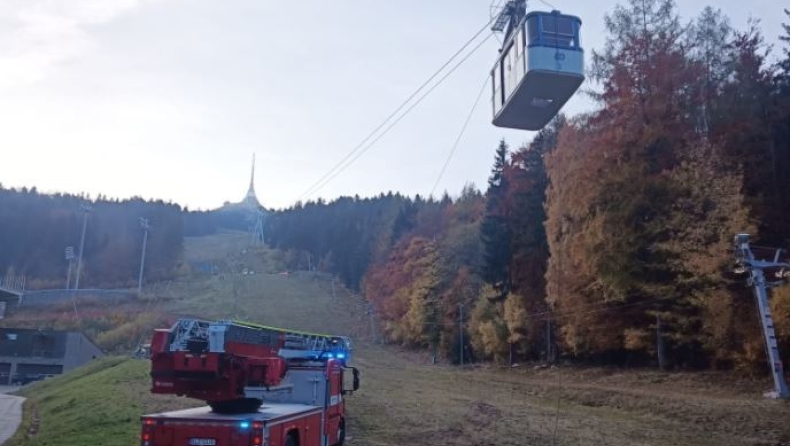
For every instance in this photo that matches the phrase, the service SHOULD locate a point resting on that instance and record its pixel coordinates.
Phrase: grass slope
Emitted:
(406, 400)
(98, 404)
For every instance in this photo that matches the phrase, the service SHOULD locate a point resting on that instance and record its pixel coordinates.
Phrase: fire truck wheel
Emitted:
(290, 440)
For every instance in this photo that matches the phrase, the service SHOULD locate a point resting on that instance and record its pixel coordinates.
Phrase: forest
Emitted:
(607, 238)
(36, 228)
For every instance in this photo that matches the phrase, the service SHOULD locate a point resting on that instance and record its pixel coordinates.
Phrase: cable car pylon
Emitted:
(768, 262)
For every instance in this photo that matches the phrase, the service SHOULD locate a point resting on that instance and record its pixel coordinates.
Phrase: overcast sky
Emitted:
(170, 98)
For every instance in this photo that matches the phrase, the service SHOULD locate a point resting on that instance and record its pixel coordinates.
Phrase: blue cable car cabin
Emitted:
(540, 66)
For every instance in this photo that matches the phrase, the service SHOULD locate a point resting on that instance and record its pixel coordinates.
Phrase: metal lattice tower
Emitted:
(758, 268)
(257, 231)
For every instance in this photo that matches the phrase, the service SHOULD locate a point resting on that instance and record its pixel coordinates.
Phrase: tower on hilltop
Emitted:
(251, 199)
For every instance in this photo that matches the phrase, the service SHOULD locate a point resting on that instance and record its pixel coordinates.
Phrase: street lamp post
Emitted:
(461, 333)
(144, 224)
(86, 209)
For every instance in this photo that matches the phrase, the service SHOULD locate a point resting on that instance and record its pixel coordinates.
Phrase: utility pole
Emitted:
(144, 224)
(659, 343)
(86, 209)
(372, 324)
(548, 340)
(757, 267)
(461, 332)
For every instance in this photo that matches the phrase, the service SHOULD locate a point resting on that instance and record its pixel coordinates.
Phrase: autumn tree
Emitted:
(781, 149)
(707, 38)
(636, 240)
(487, 325)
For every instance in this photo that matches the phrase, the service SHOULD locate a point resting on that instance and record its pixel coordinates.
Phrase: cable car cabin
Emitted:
(540, 66)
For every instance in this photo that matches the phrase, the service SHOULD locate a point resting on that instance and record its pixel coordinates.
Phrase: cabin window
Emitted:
(521, 59)
(558, 31)
(498, 77)
(533, 29)
(510, 74)
(496, 83)
(512, 55)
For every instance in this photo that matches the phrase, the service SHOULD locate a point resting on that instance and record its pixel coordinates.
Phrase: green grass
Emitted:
(231, 252)
(404, 399)
(215, 247)
(298, 301)
(98, 404)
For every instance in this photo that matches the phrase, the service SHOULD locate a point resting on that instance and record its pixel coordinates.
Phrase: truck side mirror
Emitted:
(354, 384)
(356, 378)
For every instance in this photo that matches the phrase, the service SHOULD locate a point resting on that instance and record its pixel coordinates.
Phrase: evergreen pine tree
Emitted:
(494, 230)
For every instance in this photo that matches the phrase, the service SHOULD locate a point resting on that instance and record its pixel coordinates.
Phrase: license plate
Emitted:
(202, 442)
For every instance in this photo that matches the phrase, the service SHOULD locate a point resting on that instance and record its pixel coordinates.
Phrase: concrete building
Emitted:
(28, 354)
(11, 290)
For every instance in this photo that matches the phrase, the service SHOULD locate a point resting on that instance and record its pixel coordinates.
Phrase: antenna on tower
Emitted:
(252, 175)
(251, 199)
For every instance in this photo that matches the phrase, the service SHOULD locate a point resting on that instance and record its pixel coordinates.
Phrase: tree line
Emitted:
(607, 238)
(36, 228)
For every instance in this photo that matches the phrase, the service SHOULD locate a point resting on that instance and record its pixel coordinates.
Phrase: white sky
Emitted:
(169, 98)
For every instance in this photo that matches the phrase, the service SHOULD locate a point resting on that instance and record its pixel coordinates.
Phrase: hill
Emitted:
(101, 403)
(407, 400)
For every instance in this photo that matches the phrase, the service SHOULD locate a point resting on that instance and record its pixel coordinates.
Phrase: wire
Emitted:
(316, 185)
(460, 134)
(548, 4)
(396, 121)
(320, 184)
(494, 8)
(600, 310)
(562, 314)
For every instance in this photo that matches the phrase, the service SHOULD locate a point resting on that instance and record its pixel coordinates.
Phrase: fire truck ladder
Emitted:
(747, 262)
(295, 345)
(308, 345)
(186, 330)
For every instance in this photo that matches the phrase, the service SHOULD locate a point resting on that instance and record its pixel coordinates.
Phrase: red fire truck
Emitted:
(264, 386)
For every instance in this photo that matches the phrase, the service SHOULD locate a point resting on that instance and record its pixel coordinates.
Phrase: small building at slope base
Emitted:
(28, 354)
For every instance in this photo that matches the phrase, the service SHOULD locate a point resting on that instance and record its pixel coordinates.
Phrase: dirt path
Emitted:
(10, 413)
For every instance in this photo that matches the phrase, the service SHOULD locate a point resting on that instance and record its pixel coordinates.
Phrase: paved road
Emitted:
(10, 413)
